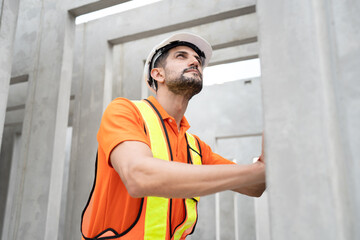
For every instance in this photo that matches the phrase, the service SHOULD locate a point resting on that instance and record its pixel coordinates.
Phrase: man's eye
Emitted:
(180, 56)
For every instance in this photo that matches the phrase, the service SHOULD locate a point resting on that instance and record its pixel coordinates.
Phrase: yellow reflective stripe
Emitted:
(190, 204)
(160, 149)
(156, 207)
(196, 159)
(156, 215)
(156, 218)
(191, 212)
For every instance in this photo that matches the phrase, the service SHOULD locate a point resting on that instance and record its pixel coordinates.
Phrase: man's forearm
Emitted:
(144, 175)
(179, 180)
(253, 191)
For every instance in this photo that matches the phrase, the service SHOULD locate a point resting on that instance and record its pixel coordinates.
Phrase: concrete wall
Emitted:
(310, 89)
(233, 128)
(43, 52)
(8, 19)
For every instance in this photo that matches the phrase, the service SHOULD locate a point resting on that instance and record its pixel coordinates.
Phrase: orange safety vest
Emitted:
(154, 214)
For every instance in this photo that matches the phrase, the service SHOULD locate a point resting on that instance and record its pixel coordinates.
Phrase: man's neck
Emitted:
(174, 105)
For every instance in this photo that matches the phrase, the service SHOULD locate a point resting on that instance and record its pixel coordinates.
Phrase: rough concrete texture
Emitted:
(232, 127)
(44, 47)
(8, 19)
(314, 191)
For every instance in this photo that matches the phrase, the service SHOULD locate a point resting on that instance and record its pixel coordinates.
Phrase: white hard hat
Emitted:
(198, 44)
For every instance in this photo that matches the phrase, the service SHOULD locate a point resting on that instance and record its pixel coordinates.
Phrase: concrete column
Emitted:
(8, 19)
(39, 181)
(9, 171)
(90, 72)
(8, 156)
(309, 53)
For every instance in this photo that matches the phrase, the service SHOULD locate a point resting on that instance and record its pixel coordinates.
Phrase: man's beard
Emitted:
(186, 86)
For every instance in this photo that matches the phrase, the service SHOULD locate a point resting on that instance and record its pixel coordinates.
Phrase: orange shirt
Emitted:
(111, 206)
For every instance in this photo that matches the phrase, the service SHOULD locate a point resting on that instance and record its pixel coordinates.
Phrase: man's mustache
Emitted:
(192, 68)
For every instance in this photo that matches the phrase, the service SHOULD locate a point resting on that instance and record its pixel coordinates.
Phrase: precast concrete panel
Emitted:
(232, 126)
(43, 51)
(26, 45)
(10, 152)
(6, 156)
(89, 73)
(8, 19)
(310, 56)
(308, 63)
(238, 113)
(346, 34)
(242, 150)
(80, 7)
(206, 224)
(235, 54)
(175, 15)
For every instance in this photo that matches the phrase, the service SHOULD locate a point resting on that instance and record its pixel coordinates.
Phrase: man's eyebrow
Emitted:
(187, 53)
(180, 51)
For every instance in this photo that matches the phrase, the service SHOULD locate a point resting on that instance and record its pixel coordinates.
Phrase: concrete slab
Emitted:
(235, 54)
(80, 7)
(174, 15)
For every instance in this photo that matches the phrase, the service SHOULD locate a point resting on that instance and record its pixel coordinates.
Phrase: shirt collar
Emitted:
(183, 124)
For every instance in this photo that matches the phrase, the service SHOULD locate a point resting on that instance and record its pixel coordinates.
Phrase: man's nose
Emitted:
(195, 62)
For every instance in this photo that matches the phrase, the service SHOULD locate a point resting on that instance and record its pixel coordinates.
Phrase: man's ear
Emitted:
(158, 74)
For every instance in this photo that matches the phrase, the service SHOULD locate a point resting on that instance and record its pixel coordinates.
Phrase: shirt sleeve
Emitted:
(120, 122)
(209, 157)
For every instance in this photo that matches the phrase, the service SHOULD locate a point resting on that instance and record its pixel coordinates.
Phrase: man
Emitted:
(150, 171)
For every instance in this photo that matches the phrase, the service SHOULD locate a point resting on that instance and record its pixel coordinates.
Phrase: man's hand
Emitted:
(257, 189)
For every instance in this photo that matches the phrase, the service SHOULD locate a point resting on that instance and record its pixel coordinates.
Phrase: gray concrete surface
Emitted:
(306, 67)
(49, 66)
(232, 127)
(8, 20)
